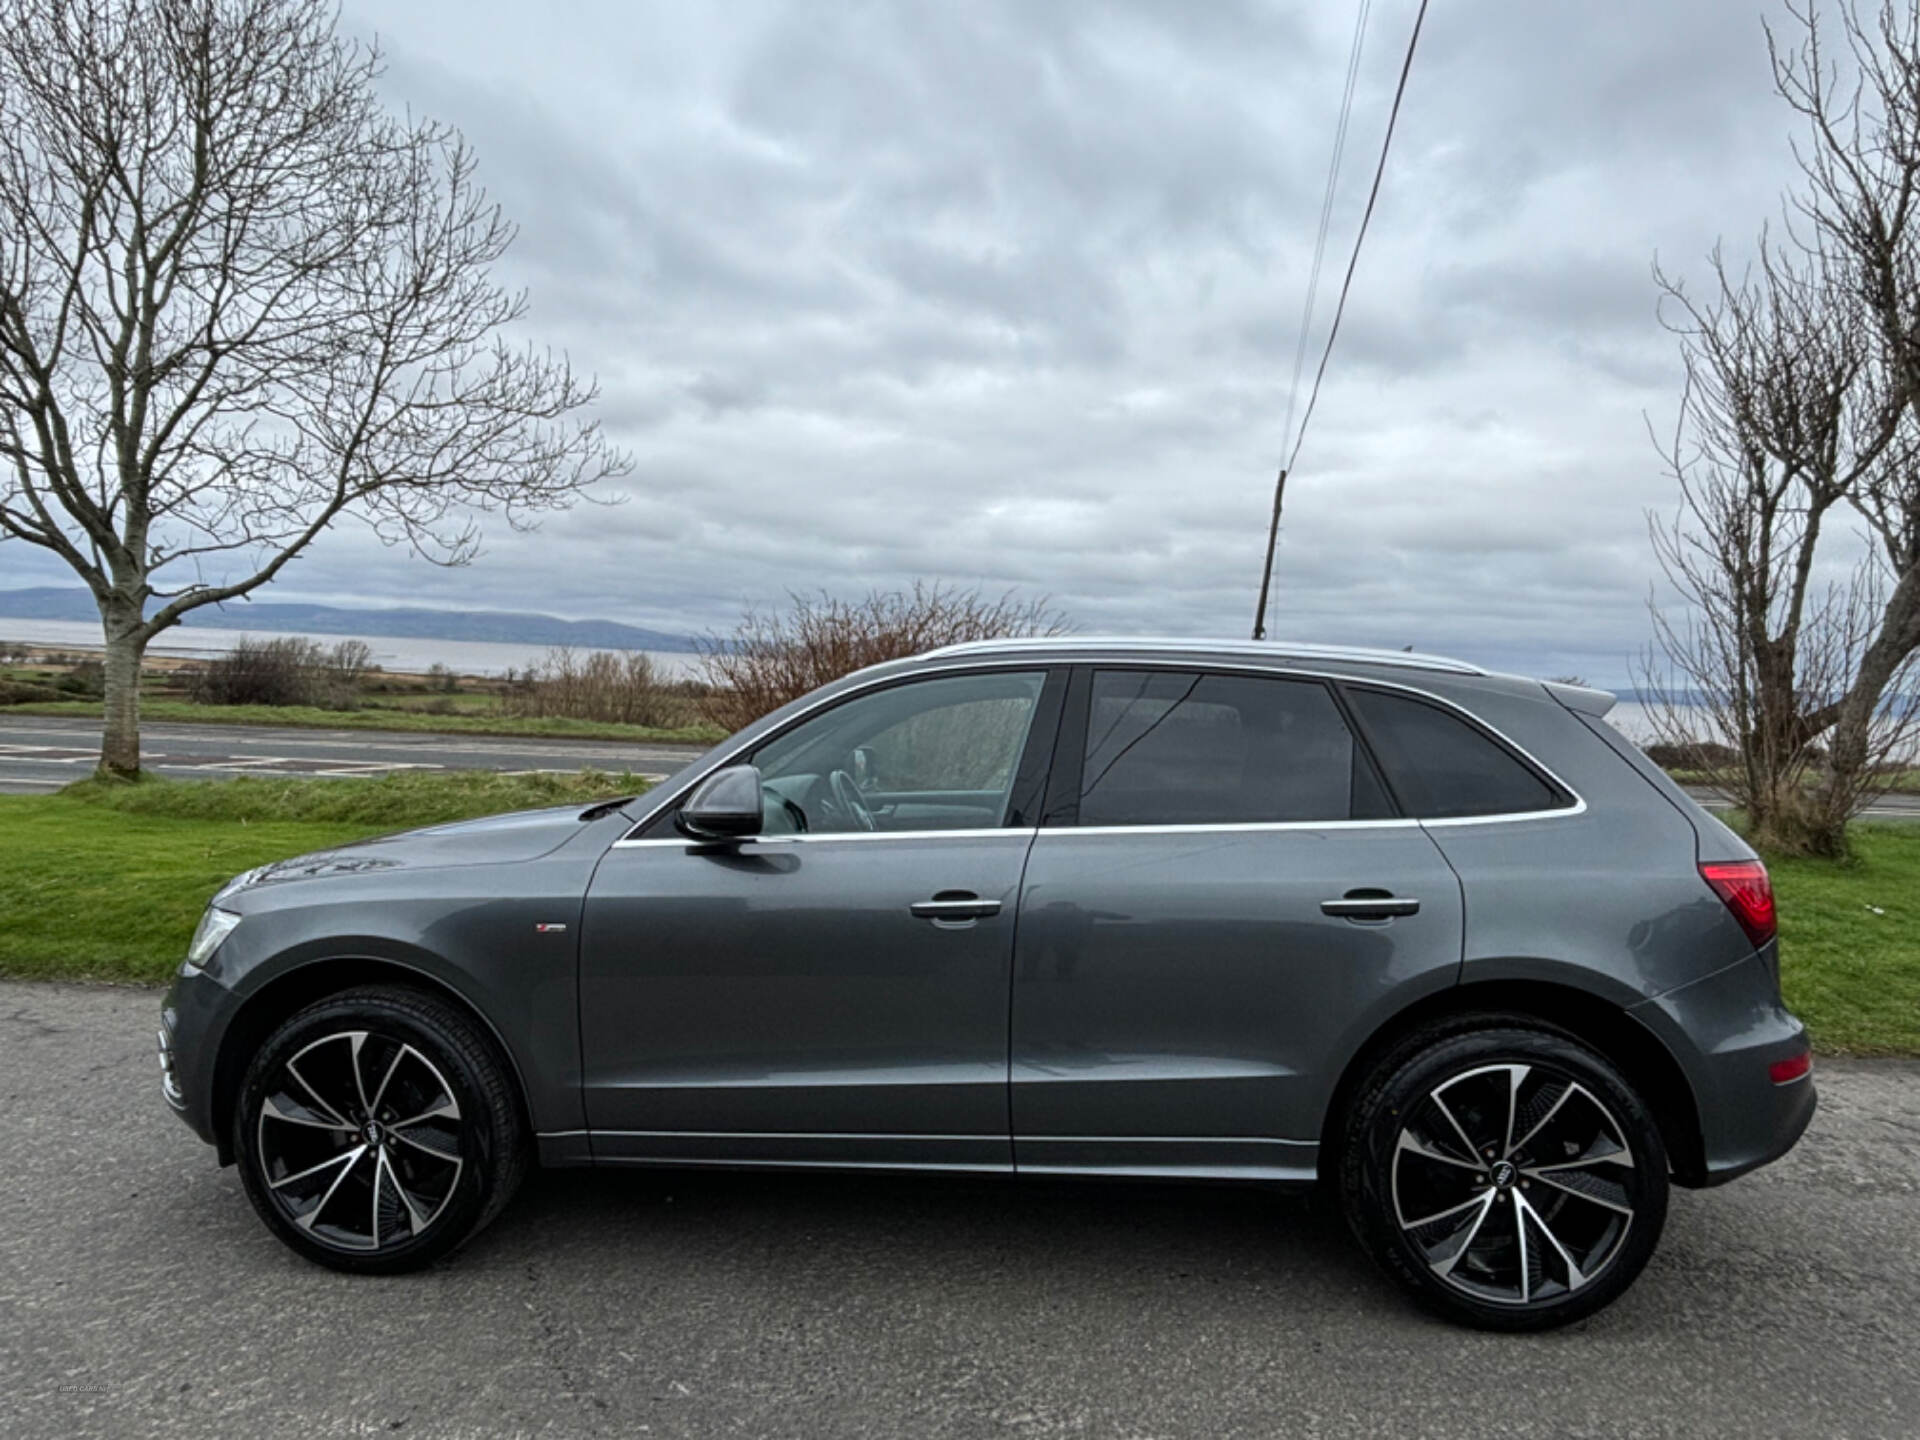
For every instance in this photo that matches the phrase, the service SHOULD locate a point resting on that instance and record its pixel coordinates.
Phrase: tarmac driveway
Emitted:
(138, 1296)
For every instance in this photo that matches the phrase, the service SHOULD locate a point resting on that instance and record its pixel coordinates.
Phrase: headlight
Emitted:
(215, 926)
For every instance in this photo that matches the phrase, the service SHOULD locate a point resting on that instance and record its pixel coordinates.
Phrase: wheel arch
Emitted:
(300, 986)
(1639, 1054)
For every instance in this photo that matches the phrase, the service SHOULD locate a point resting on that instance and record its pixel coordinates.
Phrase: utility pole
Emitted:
(1266, 575)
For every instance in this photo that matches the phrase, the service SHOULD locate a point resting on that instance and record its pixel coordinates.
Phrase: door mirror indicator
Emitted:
(725, 806)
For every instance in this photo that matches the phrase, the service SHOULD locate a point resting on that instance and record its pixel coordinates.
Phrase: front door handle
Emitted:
(954, 905)
(1370, 905)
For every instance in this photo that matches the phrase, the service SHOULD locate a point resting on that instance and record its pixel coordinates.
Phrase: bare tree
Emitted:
(238, 300)
(774, 658)
(1782, 415)
(1802, 413)
(1861, 162)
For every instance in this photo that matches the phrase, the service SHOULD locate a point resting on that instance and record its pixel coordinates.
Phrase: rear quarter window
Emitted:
(1442, 767)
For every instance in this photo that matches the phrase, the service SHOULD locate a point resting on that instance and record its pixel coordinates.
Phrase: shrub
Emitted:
(287, 670)
(612, 687)
(25, 692)
(771, 659)
(87, 680)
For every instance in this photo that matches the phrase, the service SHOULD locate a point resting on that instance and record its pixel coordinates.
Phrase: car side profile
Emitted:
(1441, 940)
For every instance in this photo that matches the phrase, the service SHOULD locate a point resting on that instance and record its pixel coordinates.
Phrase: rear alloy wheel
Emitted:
(1508, 1176)
(376, 1131)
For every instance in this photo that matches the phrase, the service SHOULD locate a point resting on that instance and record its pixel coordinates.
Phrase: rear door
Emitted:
(1221, 900)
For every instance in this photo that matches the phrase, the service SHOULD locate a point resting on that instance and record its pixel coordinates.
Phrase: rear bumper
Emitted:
(1726, 1030)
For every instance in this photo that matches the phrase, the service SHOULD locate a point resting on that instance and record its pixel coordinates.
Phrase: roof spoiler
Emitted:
(1583, 699)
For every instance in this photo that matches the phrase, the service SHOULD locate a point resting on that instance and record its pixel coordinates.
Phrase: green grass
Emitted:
(1850, 942)
(105, 881)
(384, 718)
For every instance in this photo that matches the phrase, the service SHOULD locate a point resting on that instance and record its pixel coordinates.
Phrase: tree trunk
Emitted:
(1851, 749)
(120, 738)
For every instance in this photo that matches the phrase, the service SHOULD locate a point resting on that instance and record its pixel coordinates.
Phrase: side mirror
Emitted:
(725, 806)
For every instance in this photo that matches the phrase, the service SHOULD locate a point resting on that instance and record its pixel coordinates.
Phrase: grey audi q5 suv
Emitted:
(1439, 939)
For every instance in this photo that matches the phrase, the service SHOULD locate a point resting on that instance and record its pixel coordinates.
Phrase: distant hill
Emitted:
(512, 627)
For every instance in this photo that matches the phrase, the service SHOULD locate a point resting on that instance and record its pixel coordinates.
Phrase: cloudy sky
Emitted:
(1007, 294)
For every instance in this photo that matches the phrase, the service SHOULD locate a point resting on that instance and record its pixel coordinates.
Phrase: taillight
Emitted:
(1785, 1072)
(1748, 893)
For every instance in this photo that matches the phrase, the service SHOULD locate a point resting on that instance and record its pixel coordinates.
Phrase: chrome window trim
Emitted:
(825, 836)
(1227, 827)
(1276, 668)
(1579, 807)
(1398, 823)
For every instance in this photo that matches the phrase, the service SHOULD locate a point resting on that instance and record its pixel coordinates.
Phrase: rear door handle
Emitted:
(1370, 905)
(954, 905)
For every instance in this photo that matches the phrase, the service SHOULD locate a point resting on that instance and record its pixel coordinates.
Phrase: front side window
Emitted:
(1191, 748)
(930, 755)
(1441, 767)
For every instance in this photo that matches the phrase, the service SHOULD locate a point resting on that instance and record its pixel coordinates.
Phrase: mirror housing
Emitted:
(724, 806)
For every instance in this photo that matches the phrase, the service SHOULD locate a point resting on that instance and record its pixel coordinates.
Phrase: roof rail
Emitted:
(1274, 649)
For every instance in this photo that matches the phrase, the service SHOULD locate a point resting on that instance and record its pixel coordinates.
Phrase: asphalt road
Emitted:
(1887, 807)
(40, 753)
(138, 1295)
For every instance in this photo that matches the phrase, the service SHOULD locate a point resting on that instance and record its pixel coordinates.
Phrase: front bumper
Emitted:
(193, 1019)
(1726, 1029)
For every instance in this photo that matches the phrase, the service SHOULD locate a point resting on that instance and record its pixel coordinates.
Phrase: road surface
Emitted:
(139, 1296)
(40, 753)
(1887, 807)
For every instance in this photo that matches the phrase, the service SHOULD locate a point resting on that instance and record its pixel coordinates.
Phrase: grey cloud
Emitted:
(1006, 294)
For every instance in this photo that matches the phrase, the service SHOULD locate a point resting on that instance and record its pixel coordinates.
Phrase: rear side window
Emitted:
(1189, 748)
(1441, 767)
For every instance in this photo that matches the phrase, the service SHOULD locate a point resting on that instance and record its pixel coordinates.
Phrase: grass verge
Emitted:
(1850, 942)
(306, 717)
(105, 881)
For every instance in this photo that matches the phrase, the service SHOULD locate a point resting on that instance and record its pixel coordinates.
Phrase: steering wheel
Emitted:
(846, 794)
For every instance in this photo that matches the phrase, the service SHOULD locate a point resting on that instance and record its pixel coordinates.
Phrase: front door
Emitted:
(1226, 901)
(834, 989)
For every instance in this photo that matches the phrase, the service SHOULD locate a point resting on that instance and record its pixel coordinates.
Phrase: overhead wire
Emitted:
(1326, 211)
(1366, 216)
(1346, 285)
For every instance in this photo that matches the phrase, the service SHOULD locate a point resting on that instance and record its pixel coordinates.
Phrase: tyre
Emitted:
(377, 1130)
(1504, 1173)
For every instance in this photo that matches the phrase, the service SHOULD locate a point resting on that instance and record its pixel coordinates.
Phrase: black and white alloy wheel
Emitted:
(1514, 1183)
(377, 1130)
(1505, 1173)
(358, 1162)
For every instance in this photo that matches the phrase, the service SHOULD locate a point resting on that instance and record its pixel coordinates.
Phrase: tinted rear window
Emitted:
(1442, 767)
(1188, 748)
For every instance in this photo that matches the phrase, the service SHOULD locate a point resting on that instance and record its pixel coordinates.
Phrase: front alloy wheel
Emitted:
(1505, 1174)
(377, 1130)
(358, 1162)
